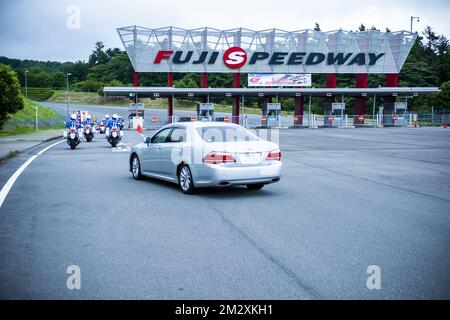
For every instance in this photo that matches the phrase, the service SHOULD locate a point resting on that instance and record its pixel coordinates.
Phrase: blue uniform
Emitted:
(73, 123)
(113, 123)
(87, 122)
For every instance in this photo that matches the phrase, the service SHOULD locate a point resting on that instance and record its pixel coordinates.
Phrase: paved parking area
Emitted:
(348, 199)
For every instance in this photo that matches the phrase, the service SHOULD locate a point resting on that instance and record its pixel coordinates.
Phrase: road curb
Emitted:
(38, 143)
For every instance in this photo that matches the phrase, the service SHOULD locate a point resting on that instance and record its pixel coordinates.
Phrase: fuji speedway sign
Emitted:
(236, 58)
(279, 52)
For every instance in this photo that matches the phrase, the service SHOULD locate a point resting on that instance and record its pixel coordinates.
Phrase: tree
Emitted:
(317, 27)
(443, 98)
(59, 80)
(442, 45)
(431, 39)
(11, 98)
(98, 56)
(362, 27)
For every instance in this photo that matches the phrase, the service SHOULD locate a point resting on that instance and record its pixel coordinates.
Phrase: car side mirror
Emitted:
(148, 140)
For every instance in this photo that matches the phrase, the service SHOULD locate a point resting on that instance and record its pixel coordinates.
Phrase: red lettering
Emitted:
(163, 54)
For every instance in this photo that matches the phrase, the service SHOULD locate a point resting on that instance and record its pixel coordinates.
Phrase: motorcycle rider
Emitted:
(88, 121)
(120, 122)
(113, 122)
(73, 122)
(105, 119)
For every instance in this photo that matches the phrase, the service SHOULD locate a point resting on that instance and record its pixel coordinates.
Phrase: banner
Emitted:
(279, 80)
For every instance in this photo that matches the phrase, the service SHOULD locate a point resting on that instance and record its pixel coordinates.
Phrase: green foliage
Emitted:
(38, 94)
(443, 98)
(88, 86)
(11, 98)
(117, 68)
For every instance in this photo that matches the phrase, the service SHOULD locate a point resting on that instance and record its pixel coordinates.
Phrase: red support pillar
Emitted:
(204, 84)
(392, 80)
(136, 79)
(330, 82)
(236, 102)
(170, 100)
(388, 110)
(298, 110)
(360, 102)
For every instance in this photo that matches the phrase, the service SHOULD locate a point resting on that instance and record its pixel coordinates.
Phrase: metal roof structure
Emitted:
(154, 92)
(143, 44)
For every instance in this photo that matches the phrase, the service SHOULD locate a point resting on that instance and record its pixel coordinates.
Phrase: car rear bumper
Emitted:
(210, 175)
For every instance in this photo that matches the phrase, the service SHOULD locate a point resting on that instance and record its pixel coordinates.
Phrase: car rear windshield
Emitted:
(225, 134)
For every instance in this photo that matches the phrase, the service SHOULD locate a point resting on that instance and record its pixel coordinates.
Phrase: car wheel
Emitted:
(255, 186)
(185, 180)
(136, 168)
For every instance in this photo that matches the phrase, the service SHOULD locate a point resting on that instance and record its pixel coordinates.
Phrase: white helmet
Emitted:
(88, 116)
(73, 116)
(114, 116)
(106, 116)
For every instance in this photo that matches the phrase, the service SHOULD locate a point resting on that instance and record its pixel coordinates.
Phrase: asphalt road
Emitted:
(348, 199)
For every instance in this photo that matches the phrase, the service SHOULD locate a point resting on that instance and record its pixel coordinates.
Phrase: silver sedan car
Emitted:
(207, 154)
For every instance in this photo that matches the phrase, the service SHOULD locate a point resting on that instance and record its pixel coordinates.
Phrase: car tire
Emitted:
(136, 168)
(255, 186)
(185, 180)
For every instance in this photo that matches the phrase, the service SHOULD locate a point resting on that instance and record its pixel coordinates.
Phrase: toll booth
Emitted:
(270, 114)
(334, 114)
(205, 111)
(136, 112)
(400, 113)
(394, 113)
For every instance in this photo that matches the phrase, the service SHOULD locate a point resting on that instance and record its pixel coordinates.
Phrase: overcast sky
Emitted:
(49, 30)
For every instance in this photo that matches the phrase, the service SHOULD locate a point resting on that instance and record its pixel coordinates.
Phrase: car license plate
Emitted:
(250, 158)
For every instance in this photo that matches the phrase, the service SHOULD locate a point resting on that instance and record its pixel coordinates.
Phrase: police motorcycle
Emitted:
(73, 134)
(102, 124)
(88, 129)
(114, 131)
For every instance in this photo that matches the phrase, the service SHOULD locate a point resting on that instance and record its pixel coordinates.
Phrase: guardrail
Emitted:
(307, 121)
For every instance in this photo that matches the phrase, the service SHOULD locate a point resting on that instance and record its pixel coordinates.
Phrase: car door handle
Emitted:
(159, 147)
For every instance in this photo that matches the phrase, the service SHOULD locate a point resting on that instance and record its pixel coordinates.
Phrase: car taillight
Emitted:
(219, 157)
(274, 155)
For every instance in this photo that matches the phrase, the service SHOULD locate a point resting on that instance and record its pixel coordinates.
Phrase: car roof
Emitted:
(201, 124)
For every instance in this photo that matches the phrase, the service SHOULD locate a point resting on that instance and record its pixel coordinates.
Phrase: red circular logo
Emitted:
(235, 58)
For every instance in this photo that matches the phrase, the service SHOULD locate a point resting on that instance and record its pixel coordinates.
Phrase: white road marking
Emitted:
(9, 184)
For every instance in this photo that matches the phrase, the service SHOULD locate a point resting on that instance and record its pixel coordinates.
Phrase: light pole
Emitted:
(67, 92)
(26, 84)
(412, 20)
(37, 118)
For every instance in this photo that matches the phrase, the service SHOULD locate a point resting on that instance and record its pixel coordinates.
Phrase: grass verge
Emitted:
(24, 121)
